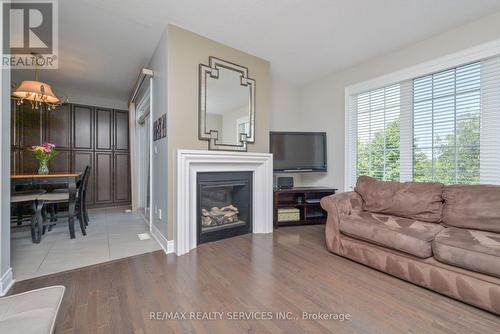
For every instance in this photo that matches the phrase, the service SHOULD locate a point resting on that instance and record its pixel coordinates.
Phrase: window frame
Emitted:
(443, 63)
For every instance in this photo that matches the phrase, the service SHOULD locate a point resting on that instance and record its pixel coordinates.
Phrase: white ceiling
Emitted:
(104, 43)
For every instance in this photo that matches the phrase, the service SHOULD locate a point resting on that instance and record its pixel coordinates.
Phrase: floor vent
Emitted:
(144, 236)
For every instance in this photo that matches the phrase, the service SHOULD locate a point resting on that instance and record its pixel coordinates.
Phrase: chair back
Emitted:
(82, 188)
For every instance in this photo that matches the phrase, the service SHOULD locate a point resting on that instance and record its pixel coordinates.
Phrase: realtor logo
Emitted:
(30, 37)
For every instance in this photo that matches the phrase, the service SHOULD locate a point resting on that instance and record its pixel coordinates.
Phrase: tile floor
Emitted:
(111, 234)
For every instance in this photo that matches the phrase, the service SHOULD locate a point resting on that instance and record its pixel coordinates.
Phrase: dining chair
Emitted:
(30, 198)
(60, 196)
(81, 200)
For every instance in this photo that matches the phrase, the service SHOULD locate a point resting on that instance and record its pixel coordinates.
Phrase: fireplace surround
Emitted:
(190, 163)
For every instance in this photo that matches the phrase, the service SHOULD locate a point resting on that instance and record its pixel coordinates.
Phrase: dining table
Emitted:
(40, 181)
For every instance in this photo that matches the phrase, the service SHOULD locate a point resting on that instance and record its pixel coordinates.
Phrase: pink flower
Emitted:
(47, 147)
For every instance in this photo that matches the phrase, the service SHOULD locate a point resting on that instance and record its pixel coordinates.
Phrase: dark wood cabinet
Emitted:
(104, 177)
(83, 127)
(305, 201)
(122, 173)
(59, 126)
(84, 135)
(104, 129)
(32, 122)
(27, 163)
(121, 130)
(61, 163)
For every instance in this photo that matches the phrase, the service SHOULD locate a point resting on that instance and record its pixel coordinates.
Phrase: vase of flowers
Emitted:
(44, 153)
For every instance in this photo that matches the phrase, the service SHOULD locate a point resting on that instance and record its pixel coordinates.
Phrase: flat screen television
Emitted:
(298, 151)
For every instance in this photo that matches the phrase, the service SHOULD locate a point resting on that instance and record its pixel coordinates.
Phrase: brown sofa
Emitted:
(444, 238)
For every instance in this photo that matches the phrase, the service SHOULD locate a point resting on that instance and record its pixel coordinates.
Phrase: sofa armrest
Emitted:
(338, 206)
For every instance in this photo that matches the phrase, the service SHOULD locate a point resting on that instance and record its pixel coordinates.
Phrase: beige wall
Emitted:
(186, 51)
(286, 105)
(286, 113)
(323, 101)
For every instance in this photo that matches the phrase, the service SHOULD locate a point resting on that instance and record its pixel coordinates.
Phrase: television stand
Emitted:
(306, 200)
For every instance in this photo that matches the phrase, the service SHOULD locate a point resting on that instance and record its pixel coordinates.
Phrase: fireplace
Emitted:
(190, 163)
(224, 205)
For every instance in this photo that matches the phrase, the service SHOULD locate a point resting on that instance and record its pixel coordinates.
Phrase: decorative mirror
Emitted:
(226, 106)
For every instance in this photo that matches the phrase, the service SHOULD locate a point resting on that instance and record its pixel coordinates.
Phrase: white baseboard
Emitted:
(7, 281)
(167, 245)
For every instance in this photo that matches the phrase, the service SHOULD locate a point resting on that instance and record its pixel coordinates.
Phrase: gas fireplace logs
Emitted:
(219, 216)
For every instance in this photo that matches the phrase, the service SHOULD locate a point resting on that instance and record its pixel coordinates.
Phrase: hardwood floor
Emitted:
(288, 272)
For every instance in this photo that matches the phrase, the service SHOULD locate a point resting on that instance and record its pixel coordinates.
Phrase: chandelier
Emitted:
(37, 93)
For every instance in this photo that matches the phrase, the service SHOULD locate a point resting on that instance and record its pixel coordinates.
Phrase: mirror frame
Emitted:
(212, 136)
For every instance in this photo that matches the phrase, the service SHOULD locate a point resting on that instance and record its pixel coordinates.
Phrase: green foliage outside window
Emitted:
(453, 163)
(454, 159)
(379, 158)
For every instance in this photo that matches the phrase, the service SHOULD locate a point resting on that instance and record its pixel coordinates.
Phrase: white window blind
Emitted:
(490, 121)
(446, 123)
(378, 133)
(442, 127)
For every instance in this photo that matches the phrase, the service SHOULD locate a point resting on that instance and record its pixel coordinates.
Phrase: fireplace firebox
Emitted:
(224, 205)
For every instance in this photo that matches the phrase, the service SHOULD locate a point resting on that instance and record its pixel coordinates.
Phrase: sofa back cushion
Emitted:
(419, 201)
(472, 206)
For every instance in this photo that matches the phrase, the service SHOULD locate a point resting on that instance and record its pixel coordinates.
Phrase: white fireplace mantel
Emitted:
(191, 162)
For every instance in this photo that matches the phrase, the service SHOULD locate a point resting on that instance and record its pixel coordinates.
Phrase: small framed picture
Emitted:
(163, 125)
(158, 129)
(155, 133)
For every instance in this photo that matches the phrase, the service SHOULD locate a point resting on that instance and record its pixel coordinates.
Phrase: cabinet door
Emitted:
(15, 148)
(103, 177)
(14, 160)
(30, 128)
(15, 124)
(82, 159)
(61, 163)
(122, 177)
(27, 163)
(121, 130)
(83, 120)
(59, 126)
(104, 129)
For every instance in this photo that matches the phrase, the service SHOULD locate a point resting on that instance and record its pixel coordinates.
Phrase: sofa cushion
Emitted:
(406, 235)
(419, 201)
(472, 206)
(469, 249)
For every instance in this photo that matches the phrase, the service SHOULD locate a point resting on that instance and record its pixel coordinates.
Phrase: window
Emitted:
(378, 133)
(242, 126)
(441, 127)
(446, 126)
